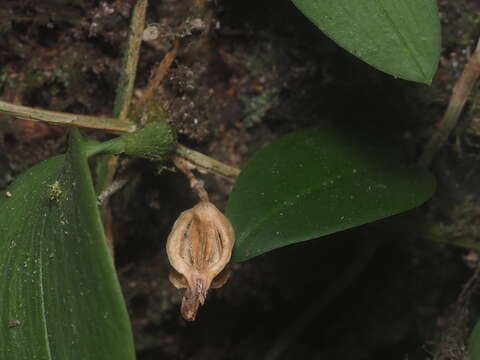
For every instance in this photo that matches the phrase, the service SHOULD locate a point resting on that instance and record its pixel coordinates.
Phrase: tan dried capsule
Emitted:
(198, 248)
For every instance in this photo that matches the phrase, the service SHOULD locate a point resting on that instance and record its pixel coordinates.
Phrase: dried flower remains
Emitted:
(198, 248)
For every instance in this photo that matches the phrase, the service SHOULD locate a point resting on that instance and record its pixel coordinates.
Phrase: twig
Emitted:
(460, 94)
(206, 163)
(54, 117)
(469, 286)
(115, 186)
(196, 185)
(130, 62)
(160, 73)
(454, 333)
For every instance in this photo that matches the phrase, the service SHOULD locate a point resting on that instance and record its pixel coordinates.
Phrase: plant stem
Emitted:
(206, 163)
(116, 185)
(55, 117)
(123, 100)
(196, 185)
(461, 91)
(114, 126)
(160, 73)
(127, 78)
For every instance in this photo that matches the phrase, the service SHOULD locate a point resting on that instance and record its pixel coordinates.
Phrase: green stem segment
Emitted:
(156, 141)
(112, 147)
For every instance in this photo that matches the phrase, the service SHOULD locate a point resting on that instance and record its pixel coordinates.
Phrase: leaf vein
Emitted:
(402, 38)
(42, 299)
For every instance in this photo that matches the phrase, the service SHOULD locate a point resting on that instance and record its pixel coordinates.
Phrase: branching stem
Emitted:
(113, 125)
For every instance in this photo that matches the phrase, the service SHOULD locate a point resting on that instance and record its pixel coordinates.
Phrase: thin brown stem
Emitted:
(196, 185)
(471, 284)
(160, 73)
(459, 97)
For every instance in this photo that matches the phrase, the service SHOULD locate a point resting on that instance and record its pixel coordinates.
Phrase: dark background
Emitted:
(381, 291)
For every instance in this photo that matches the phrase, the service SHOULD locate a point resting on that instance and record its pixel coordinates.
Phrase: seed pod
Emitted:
(198, 248)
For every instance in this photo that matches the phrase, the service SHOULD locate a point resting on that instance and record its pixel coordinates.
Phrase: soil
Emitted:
(263, 71)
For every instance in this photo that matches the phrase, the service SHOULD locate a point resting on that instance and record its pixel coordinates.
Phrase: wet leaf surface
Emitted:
(60, 298)
(316, 182)
(401, 38)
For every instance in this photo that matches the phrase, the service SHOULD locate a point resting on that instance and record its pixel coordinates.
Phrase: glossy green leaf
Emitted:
(60, 298)
(474, 343)
(399, 37)
(316, 182)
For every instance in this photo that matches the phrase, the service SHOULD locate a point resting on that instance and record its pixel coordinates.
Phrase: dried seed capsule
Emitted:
(198, 248)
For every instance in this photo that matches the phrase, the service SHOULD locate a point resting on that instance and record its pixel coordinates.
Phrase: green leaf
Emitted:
(316, 182)
(60, 297)
(474, 343)
(399, 37)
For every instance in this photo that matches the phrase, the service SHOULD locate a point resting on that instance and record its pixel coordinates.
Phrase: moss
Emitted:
(269, 65)
(149, 111)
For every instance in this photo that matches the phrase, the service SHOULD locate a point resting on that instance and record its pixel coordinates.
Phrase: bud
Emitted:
(198, 248)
